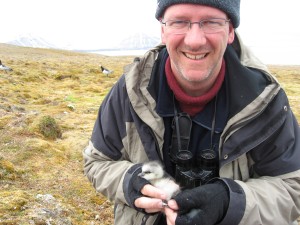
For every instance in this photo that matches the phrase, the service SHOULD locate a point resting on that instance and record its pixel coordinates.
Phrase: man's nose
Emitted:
(195, 35)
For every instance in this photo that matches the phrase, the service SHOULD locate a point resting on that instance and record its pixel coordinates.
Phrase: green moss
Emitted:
(13, 200)
(7, 165)
(7, 170)
(49, 128)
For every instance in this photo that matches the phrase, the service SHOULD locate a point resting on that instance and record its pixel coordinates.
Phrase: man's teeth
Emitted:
(195, 56)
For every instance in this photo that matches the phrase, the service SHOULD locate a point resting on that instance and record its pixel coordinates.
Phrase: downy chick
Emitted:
(154, 173)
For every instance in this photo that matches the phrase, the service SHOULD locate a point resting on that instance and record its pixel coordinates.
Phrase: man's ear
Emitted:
(231, 34)
(162, 34)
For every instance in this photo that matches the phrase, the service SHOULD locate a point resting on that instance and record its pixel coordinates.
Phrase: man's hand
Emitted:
(171, 212)
(143, 196)
(205, 205)
(152, 199)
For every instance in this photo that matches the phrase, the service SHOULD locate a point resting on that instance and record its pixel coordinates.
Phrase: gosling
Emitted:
(154, 173)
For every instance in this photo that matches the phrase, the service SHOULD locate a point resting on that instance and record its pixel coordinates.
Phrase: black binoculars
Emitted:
(188, 175)
(191, 171)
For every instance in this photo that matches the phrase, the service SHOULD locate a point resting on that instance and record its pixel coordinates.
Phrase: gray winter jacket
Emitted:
(259, 149)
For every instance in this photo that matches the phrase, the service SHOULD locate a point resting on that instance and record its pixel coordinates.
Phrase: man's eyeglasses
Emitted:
(208, 26)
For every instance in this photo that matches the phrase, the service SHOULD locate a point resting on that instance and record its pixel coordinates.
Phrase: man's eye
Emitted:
(178, 23)
(209, 22)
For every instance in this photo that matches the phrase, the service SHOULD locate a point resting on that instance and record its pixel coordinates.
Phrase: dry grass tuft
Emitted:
(49, 128)
(67, 87)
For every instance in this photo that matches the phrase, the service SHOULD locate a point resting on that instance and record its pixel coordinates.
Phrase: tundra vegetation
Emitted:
(48, 105)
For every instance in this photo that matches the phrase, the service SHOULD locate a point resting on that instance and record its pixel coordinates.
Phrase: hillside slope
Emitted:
(41, 179)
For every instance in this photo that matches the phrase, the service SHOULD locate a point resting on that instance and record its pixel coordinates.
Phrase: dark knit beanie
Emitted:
(230, 7)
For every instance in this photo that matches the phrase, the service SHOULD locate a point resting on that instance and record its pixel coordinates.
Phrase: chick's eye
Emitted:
(147, 172)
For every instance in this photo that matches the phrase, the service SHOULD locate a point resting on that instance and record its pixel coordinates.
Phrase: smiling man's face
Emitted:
(196, 57)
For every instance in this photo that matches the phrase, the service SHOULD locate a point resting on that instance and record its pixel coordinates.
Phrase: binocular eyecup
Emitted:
(189, 175)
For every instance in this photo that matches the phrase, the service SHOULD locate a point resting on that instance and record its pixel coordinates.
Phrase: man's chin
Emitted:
(198, 75)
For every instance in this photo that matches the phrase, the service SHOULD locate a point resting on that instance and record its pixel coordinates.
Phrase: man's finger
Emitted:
(149, 204)
(153, 192)
(170, 216)
(173, 204)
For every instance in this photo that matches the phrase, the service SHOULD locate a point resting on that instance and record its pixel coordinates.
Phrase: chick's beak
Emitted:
(142, 174)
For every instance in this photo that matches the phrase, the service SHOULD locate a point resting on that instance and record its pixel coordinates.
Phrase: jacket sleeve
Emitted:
(275, 194)
(272, 200)
(110, 155)
(105, 174)
(271, 195)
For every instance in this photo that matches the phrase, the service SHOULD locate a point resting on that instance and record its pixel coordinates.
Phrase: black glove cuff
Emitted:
(133, 185)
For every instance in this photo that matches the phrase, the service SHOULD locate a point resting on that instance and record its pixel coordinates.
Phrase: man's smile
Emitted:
(194, 57)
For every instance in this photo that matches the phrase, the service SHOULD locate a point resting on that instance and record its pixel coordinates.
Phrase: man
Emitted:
(205, 107)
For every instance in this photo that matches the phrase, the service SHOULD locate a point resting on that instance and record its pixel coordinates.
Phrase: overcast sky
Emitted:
(269, 27)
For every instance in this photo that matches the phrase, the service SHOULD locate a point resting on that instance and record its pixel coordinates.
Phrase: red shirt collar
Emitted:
(189, 104)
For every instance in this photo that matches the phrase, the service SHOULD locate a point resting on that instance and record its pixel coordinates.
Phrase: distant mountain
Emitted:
(29, 40)
(138, 41)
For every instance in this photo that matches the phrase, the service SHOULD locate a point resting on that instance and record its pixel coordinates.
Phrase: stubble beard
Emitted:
(195, 80)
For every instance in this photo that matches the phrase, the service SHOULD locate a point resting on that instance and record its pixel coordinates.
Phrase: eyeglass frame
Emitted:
(200, 23)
